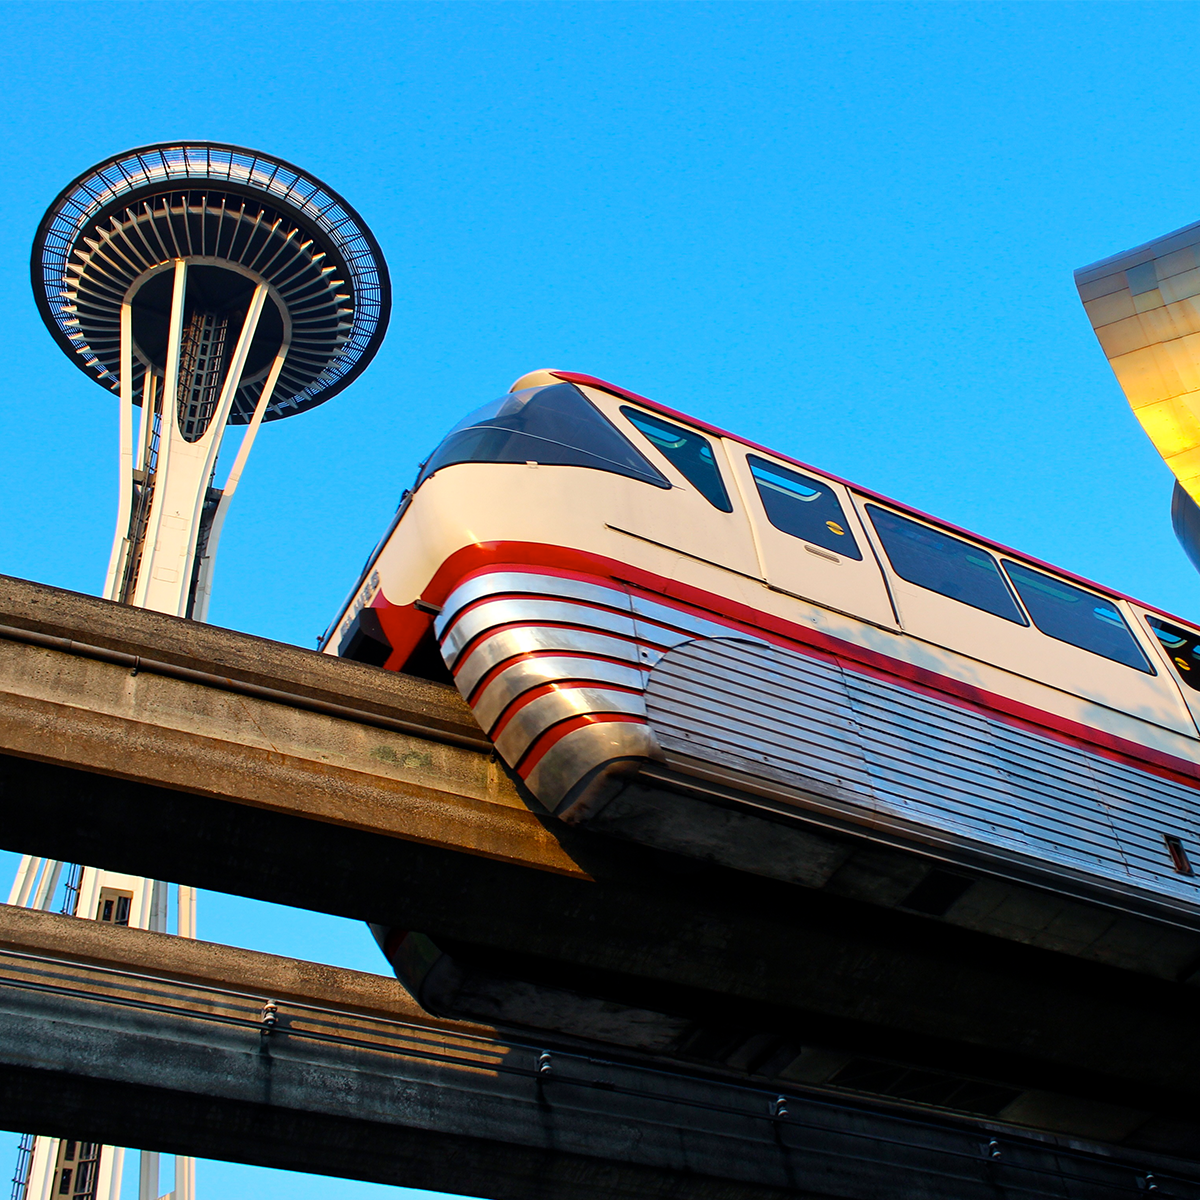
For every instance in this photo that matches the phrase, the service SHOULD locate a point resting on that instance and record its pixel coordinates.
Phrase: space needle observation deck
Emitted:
(206, 285)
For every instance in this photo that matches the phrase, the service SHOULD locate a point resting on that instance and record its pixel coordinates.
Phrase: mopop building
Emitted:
(204, 286)
(1144, 305)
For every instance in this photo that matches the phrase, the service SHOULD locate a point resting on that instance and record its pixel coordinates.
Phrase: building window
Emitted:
(113, 906)
(78, 1179)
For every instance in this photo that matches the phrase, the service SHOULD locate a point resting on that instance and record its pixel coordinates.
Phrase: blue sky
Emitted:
(844, 230)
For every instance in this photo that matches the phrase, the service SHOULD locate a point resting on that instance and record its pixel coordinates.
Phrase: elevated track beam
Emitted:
(148, 744)
(125, 1036)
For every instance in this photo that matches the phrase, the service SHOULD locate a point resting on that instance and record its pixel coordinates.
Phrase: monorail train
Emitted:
(643, 610)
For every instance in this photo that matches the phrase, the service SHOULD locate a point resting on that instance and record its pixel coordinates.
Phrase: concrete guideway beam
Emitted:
(225, 767)
(120, 1035)
(128, 693)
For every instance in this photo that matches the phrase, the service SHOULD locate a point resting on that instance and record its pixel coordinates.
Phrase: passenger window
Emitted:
(1183, 648)
(944, 564)
(802, 507)
(687, 451)
(1081, 618)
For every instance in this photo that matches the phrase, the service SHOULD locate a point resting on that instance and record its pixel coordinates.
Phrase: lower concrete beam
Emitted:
(721, 947)
(143, 1040)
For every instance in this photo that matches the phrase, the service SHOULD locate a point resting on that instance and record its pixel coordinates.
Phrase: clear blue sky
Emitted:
(845, 230)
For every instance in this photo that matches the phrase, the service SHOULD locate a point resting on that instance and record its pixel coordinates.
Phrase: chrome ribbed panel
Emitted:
(936, 764)
(554, 668)
(673, 624)
(761, 711)
(1168, 808)
(526, 673)
(506, 645)
(916, 762)
(534, 717)
(519, 583)
(529, 610)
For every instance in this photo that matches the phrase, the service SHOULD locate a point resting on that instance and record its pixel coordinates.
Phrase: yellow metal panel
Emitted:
(1144, 306)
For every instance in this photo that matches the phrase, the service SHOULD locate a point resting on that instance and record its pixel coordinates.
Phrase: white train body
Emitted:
(662, 608)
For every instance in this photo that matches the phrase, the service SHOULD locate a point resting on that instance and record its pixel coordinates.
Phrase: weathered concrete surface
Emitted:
(191, 644)
(81, 711)
(132, 1038)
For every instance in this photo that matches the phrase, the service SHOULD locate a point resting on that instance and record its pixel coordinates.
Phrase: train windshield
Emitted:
(556, 425)
(686, 450)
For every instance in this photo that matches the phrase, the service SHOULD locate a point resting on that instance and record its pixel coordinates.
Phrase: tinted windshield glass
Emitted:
(803, 507)
(1183, 647)
(555, 425)
(944, 564)
(686, 450)
(1073, 615)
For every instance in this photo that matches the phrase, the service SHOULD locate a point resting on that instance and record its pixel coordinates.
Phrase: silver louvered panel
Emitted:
(652, 616)
(526, 673)
(754, 708)
(1168, 807)
(915, 760)
(535, 717)
(957, 770)
(505, 644)
(528, 610)
(500, 583)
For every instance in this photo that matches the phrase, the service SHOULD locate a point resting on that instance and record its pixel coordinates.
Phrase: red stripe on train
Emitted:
(488, 557)
(549, 738)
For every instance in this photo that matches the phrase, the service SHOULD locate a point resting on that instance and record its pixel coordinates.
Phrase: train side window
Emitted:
(686, 450)
(1183, 649)
(555, 425)
(802, 507)
(1081, 618)
(944, 564)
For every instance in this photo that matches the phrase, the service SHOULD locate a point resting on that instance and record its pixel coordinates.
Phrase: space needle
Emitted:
(205, 286)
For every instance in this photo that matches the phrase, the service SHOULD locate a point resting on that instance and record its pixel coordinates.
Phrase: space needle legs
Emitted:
(169, 519)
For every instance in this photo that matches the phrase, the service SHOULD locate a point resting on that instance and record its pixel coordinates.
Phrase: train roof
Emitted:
(1000, 547)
